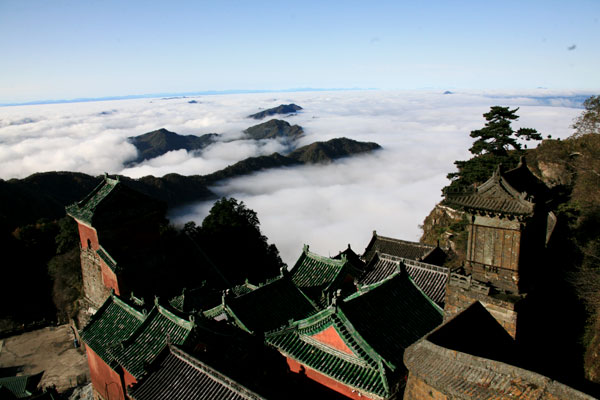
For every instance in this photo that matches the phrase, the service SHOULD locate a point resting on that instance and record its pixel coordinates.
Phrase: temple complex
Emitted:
(391, 323)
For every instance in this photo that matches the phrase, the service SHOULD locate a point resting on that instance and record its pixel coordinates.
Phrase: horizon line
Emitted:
(183, 95)
(175, 95)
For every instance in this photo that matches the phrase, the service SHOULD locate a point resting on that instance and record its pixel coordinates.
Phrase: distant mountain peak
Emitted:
(325, 152)
(281, 109)
(275, 129)
(161, 141)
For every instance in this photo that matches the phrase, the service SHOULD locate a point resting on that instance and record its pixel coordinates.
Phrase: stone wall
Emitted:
(440, 373)
(94, 289)
(461, 293)
(417, 389)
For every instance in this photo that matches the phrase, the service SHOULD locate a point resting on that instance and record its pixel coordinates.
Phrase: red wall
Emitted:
(295, 366)
(109, 279)
(85, 233)
(331, 338)
(105, 380)
(128, 378)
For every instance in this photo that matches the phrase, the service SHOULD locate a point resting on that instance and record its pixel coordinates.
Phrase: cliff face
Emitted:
(448, 227)
(570, 168)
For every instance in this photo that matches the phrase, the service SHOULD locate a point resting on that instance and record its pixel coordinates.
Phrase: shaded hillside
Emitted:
(159, 142)
(41, 195)
(275, 129)
(281, 109)
(44, 195)
(320, 152)
(251, 165)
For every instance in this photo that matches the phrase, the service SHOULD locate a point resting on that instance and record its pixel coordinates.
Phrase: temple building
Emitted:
(321, 277)
(176, 375)
(355, 345)
(509, 226)
(431, 279)
(416, 251)
(264, 308)
(120, 340)
(115, 223)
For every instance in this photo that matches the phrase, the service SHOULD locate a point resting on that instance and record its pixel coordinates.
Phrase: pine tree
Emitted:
(497, 143)
(498, 137)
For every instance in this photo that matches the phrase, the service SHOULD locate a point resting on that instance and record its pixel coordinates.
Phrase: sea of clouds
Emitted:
(324, 206)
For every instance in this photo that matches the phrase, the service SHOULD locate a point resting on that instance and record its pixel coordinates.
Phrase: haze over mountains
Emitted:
(324, 205)
(24, 201)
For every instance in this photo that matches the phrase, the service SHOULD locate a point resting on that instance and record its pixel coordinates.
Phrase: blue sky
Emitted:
(71, 49)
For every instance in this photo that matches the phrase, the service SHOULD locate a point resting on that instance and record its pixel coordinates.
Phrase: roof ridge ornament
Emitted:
(498, 171)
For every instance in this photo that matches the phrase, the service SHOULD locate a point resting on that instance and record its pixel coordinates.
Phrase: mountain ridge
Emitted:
(275, 129)
(158, 142)
(45, 194)
(280, 109)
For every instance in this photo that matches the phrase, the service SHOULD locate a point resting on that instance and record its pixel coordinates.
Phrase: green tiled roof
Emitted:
(84, 210)
(269, 306)
(396, 247)
(197, 299)
(496, 196)
(176, 375)
(239, 290)
(112, 323)
(160, 327)
(20, 386)
(215, 311)
(365, 372)
(177, 302)
(315, 274)
(377, 324)
(391, 315)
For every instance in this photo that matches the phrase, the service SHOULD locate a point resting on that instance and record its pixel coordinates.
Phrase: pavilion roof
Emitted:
(84, 209)
(398, 248)
(176, 375)
(352, 257)
(375, 325)
(391, 315)
(18, 387)
(316, 275)
(149, 338)
(431, 279)
(512, 193)
(114, 322)
(112, 202)
(266, 307)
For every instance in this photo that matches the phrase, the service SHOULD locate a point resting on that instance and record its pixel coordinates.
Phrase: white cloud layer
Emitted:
(327, 207)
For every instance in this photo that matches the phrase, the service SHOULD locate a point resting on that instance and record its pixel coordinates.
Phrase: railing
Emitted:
(467, 282)
(414, 263)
